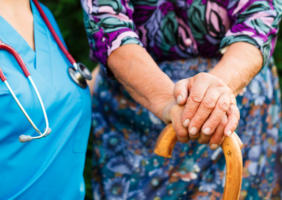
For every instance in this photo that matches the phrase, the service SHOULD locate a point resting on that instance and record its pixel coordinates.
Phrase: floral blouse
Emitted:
(180, 29)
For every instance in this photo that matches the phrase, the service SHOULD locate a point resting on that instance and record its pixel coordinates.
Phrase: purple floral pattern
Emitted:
(180, 29)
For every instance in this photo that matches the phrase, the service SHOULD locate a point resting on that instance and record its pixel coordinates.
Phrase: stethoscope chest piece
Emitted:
(80, 75)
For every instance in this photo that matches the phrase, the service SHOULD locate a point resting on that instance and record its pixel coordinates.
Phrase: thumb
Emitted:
(180, 91)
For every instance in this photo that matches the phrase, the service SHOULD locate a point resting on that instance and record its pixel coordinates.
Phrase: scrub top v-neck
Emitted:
(52, 167)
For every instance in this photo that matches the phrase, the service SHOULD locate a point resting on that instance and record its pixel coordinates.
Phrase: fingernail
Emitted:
(229, 133)
(207, 130)
(186, 123)
(179, 98)
(214, 146)
(193, 131)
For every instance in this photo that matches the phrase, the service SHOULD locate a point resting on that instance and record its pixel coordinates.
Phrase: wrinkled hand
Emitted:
(208, 99)
(173, 112)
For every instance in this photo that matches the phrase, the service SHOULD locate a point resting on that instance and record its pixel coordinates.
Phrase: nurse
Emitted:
(50, 167)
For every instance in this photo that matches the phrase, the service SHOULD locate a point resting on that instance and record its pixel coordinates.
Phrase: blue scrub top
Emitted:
(51, 167)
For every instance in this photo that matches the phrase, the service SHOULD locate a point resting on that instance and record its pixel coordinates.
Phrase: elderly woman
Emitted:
(150, 45)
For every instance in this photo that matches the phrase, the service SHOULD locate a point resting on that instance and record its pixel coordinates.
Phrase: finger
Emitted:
(204, 139)
(195, 137)
(181, 132)
(233, 119)
(217, 114)
(180, 91)
(206, 107)
(196, 95)
(218, 136)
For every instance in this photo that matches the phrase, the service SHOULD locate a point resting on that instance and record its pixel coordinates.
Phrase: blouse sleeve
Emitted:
(109, 25)
(255, 22)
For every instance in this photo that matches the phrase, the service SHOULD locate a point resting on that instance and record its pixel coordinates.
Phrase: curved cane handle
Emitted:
(232, 153)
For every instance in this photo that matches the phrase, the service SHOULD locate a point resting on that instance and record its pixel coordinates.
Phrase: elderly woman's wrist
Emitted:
(240, 63)
(158, 107)
(233, 78)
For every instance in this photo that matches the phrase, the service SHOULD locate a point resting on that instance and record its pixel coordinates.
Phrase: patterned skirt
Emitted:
(125, 167)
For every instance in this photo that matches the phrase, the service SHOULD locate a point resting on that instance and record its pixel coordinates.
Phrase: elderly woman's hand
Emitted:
(173, 112)
(208, 99)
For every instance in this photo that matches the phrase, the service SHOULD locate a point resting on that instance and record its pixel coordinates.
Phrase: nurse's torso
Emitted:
(52, 167)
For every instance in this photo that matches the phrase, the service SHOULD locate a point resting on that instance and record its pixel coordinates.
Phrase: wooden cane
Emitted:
(233, 157)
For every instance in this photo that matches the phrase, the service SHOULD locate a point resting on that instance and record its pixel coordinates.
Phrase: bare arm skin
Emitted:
(147, 84)
(91, 83)
(141, 77)
(239, 65)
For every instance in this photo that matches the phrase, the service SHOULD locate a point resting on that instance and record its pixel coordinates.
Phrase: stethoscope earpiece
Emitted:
(49, 131)
(27, 138)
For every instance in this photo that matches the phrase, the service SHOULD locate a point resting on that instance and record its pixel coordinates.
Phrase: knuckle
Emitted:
(198, 120)
(209, 103)
(224, 121)
(223, 106)
(202, 141)
(213, 122)
(187, 114)
(193, 137)
(183, 140)
(199, 74)
(203, 75)
(196, 97)
(191, 109)
(217, 138)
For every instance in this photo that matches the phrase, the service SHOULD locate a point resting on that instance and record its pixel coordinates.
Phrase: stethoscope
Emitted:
(78, 73)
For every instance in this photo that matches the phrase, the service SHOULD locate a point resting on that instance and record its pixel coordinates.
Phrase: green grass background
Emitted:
(68, 14)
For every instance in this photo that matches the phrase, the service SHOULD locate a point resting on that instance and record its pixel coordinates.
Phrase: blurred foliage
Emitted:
(68, 14)
(278, 55)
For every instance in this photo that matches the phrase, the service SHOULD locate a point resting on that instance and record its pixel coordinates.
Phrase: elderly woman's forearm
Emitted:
(142, 78)
(241, 62)
(91, 83)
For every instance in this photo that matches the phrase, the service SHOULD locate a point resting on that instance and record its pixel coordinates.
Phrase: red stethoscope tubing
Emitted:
(57, 39)
(17, 57)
